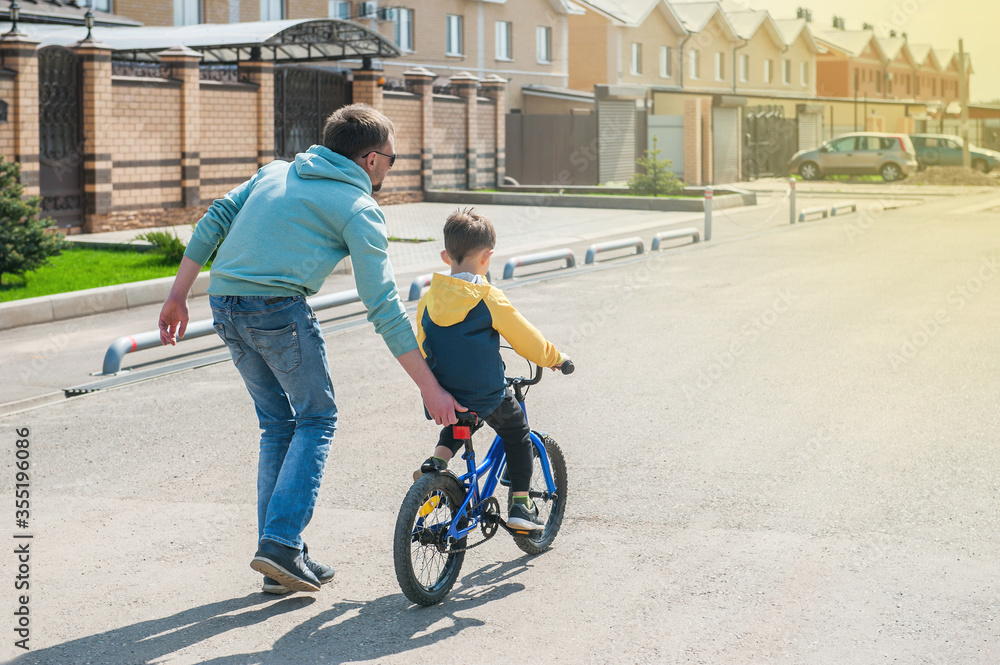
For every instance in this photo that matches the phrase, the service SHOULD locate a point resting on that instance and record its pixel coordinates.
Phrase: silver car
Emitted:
(891, 156)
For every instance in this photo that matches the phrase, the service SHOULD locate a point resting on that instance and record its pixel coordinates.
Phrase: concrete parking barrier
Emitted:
(541, 257)
(673, 235)
(595, 249)
(151, 339)
(841, 208)
(808, 212)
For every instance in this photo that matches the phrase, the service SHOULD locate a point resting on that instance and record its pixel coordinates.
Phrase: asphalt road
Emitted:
(781, 449)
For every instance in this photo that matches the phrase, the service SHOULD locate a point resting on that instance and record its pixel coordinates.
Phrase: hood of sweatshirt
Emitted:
(450, 300)
(321, 162)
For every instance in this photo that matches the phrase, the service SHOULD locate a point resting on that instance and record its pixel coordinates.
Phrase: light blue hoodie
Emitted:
(286, 229)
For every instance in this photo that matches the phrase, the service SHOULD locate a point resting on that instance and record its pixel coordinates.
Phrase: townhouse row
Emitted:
(576, 44)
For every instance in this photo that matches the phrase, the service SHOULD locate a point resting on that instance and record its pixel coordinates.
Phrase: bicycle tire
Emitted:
(425, 574)
(536, 544)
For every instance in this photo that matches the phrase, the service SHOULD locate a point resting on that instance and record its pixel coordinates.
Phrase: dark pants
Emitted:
(510, 424)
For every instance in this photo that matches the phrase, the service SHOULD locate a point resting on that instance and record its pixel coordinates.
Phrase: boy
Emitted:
(459, 323)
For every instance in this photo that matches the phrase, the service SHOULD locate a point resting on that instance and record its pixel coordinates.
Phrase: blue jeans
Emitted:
(279, 351)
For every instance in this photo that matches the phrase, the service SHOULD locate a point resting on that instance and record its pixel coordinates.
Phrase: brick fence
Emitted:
(158, 147)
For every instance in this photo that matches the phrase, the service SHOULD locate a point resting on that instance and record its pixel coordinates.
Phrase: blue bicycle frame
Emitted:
(489, 471)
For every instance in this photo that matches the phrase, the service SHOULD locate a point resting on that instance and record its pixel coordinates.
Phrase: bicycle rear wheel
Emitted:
(426, 569)
(549, 509)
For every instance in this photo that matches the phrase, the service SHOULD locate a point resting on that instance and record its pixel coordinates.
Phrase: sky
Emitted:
(938, 22)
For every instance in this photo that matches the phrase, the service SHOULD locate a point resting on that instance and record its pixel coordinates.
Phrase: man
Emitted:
(282, 233)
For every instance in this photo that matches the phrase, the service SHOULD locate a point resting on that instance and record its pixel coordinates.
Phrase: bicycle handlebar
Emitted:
(567, 368)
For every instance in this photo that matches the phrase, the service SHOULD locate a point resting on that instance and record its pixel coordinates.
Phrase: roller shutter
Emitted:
(810, 130)
(725, 145)
(616, 138)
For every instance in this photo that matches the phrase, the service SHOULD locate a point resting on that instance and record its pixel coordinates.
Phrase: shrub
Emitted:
(25, 243)
(167, 245)
(657, 178)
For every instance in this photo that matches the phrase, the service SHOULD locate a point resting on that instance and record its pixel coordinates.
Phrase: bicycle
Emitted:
(441, 509)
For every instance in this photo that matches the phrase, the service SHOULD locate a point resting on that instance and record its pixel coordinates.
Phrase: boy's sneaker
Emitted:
(524, 519)
(430, 465)
(285, 565)
(323, 573)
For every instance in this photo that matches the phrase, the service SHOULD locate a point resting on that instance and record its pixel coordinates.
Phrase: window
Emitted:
(694, 64)
(187, 12)
(841, 145)
(665, 62)
(804, 73)
(503, 41)
(878, 84)
(340, 9)
(544, 44)
(404, 28)
(767, 71)
(720, 68)
(744, 68)
(453, 37)
(636, 67)
(102, 5)
(786, 72)
(272, 10)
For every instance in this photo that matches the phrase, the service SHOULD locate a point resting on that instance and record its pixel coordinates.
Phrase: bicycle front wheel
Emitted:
(426, 566)
(549, 509)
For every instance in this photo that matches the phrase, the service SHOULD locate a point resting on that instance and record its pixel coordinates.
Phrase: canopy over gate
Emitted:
(300, 40)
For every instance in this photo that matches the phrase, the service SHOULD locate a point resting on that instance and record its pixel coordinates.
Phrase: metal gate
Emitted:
(304, 98)
(552, 149)
(60, 124)
(769, 141)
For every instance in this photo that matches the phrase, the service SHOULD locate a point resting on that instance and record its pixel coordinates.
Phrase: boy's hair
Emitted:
(354, 131)
(466, 231)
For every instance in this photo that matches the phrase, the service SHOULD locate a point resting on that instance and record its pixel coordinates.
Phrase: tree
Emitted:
(24, 242)
(658, 179)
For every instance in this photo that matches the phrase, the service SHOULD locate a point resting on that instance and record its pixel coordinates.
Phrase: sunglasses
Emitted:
(392, 158)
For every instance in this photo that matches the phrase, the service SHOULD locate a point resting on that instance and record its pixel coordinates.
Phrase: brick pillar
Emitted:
(261, 74)
(19, 54)
(366, 88)
(692, 141)
(495, 87)
(466, 86)
(98, 130)
(420, 81)
(184, 66)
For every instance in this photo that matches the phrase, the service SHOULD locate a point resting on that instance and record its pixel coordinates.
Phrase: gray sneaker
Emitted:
(285, 565)
(323, 573)
(524, 519)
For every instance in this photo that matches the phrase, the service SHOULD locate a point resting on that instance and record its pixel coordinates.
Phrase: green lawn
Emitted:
(77, 269)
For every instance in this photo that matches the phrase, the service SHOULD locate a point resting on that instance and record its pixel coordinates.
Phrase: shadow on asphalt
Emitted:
(349, 631)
